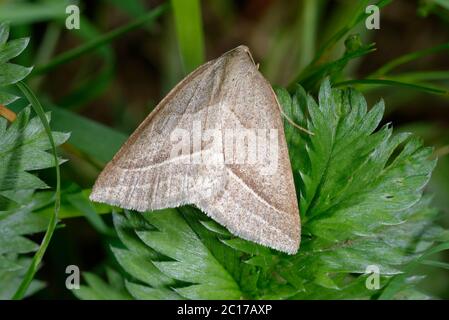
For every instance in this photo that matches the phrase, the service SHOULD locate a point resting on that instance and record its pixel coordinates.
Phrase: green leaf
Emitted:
(37, 258)
(192, 261)
(141, 268)
(313, 75)
(397, 83)
(442, 3)
(90, 137)
(360, 191)
(16, 223)
(98, 289)
(12, 49)
(189, 29)
(180, 268)
(81, 203)
(359, 16)
(141, 292)
(10, 280)
(126, 227)
(19, 12)
(7, 98)
(12, 73)
(4, 33)
(23, 147)
(321, 66)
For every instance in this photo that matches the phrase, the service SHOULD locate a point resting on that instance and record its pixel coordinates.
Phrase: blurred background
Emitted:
(102, 93)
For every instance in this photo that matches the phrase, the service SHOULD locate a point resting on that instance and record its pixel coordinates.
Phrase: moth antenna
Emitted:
(7, 114)
(297, 126)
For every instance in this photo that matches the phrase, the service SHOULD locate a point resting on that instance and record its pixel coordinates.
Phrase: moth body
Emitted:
(215, 141)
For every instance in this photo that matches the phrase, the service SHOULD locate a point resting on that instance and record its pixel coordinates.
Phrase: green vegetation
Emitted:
(366, 192)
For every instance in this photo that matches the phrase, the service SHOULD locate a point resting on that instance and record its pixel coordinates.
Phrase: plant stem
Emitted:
(94, 44)
(408, 58)
(308, 31)
(189, 31)
(387, 82)
(32, 269)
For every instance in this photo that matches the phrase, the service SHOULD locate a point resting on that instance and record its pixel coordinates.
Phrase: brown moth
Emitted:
(215, 141)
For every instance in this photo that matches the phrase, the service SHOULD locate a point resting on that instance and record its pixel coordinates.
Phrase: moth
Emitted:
(215, 141)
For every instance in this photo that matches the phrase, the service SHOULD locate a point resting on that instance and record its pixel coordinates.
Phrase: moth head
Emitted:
(241, 50)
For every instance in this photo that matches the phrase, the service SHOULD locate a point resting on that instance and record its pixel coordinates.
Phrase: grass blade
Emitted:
(189, 29)
(359, 17)
(29, 275)
(438, 264)
(309, 31)
(100, 41)
(386, 82)
(20, 12)
(422, 76)
(409, 57)
(314, 74)
(91, 87)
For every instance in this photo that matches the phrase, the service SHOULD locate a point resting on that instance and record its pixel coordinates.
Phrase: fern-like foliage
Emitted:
(359, 189)
(360, 195)
(98, 289)
(23, 146)
(10, 73)
(23, 150)
(16, 222)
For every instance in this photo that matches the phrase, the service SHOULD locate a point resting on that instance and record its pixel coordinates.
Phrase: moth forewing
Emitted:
(215, 141)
